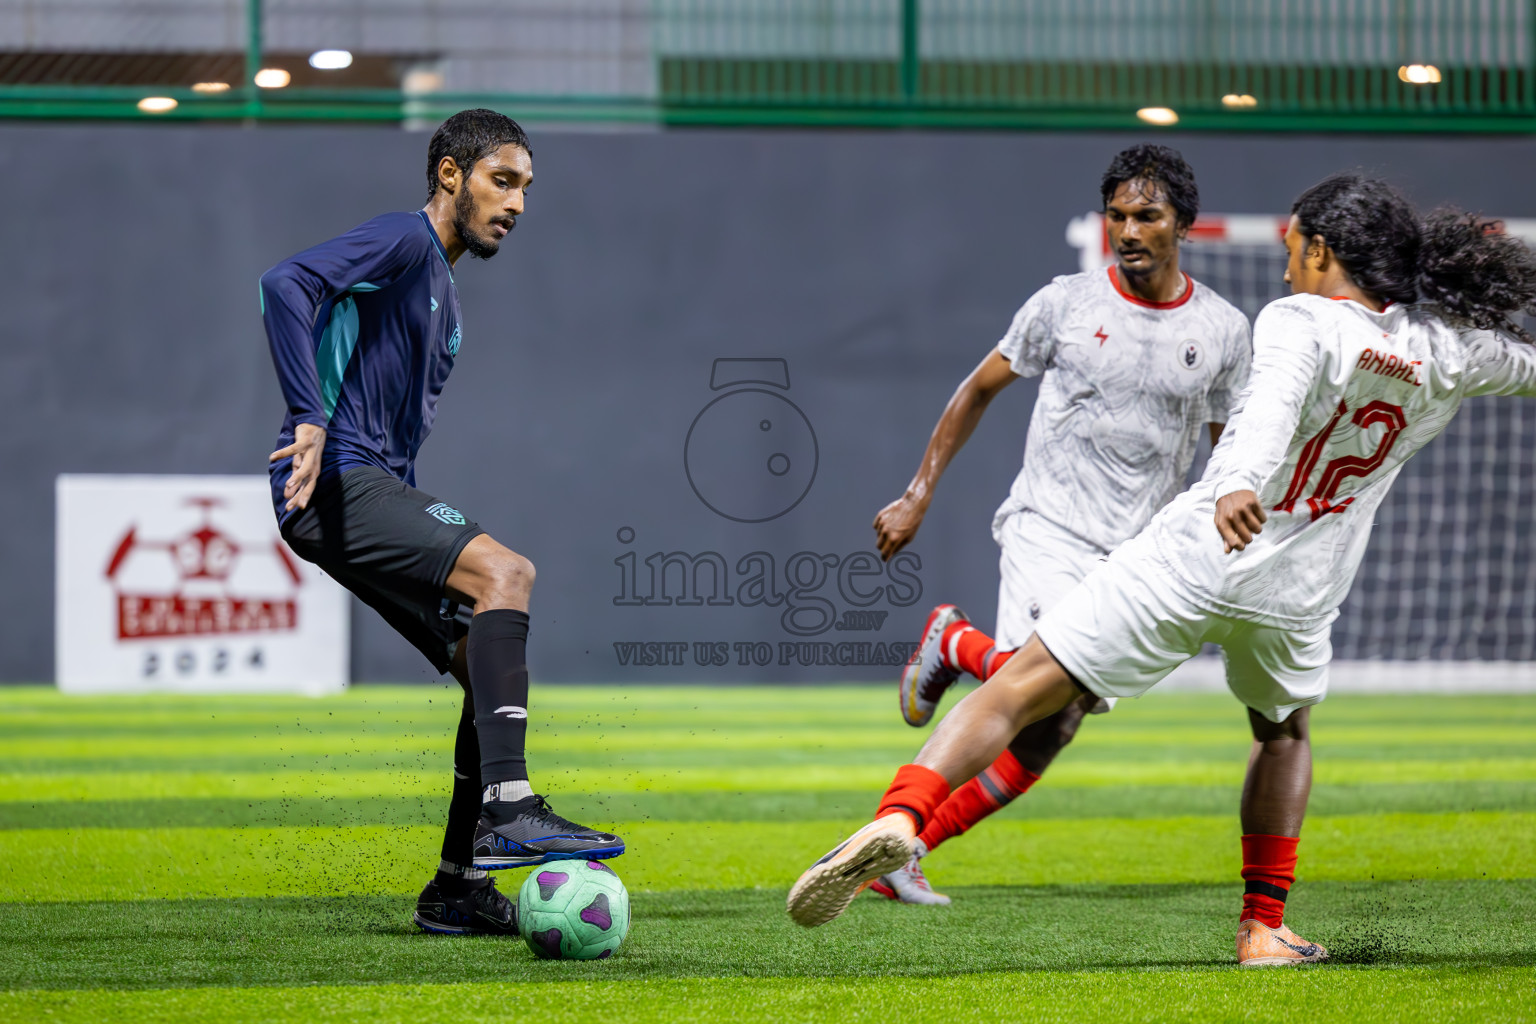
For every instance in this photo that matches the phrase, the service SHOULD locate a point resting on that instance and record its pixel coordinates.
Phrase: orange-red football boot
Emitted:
(828, 886)
(1259, 945)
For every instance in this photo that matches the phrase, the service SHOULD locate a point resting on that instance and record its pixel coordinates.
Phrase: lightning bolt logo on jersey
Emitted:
(1116, 422)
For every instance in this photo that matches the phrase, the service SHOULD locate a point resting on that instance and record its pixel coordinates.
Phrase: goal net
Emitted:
(1450, 574)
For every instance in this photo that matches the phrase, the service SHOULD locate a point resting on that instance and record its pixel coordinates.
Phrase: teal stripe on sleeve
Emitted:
(336, 346)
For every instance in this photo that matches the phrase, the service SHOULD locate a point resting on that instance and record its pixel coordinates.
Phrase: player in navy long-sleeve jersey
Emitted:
(364, 331)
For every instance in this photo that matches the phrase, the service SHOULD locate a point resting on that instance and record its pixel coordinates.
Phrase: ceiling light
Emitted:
(330, 60)
(1158, 115)
(1419, 74)
(272, 78)
(1238, 101)
(211, 87)
(157, 104)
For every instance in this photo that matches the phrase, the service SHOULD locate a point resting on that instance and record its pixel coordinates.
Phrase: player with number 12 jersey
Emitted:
(1349, 394)
(1395, 322)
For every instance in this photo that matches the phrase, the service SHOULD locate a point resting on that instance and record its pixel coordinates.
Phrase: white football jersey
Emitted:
(1339, 399)
(1124, 388)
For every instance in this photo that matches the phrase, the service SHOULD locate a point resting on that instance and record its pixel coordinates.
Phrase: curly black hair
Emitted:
(1155, 165)
(1475, 272)
(1372, 229)
(1462, 263)
(469, 135)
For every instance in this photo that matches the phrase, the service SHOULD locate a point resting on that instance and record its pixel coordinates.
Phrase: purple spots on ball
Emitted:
(605, 954)
(597, 913)
(549, 881)
(548, 943)
(597, 865)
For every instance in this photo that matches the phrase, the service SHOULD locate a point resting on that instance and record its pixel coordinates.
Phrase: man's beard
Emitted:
(1153, 265)
(464, 215)
(1146, 271)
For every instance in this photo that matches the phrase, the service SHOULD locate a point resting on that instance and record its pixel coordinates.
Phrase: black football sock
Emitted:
(464, 807)
(458, 880)
(498, 675)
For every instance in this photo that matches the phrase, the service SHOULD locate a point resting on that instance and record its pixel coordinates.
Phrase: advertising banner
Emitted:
(183, 583)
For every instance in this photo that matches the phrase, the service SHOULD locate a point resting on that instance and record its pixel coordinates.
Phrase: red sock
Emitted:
(970, 650)
(916, 790)
(1269, 868)
(1004, 781)
(994, 661)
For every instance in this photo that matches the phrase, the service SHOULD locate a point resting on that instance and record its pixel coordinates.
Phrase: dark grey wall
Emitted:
(881, 267)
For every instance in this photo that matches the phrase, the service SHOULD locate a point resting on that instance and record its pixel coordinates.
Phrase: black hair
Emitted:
(1475, 272)
(1159, 165)
(469, 135)
(1465, 264)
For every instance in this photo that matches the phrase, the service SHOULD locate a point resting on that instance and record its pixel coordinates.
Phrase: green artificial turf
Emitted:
(1445, 996)
(744, 933)
(249, 858)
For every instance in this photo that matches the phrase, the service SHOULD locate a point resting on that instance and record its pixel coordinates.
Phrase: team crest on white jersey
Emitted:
(1191, 355)
(1114, 428)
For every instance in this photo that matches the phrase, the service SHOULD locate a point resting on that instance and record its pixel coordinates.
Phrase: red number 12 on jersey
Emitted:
(1366, 417)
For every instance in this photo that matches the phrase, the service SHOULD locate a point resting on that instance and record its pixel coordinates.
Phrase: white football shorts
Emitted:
(1131, 623)
(1040, 563)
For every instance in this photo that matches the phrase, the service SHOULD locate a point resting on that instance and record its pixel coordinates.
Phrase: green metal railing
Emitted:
(1348, 65)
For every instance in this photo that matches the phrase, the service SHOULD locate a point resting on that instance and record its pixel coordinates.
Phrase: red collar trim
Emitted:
(1345, 298)
(1189, 292)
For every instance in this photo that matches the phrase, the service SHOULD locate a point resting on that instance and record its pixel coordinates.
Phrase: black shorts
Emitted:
(391, 545)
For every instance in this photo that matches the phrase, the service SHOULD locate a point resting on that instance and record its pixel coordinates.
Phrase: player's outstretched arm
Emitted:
(1500, 365)
(897, 523)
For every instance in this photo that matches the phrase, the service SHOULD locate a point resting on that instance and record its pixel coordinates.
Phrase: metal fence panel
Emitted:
(1355, 65)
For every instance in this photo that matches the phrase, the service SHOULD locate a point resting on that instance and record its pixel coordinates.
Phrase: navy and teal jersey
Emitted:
(363, 329)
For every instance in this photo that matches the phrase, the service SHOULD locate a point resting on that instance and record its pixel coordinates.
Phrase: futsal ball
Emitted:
(573, 910)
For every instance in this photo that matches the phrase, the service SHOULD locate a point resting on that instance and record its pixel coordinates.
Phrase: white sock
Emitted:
(950, 652)
(448, 867)
(514, 789)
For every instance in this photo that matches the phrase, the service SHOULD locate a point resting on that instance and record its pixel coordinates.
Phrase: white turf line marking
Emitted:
(1205, 674)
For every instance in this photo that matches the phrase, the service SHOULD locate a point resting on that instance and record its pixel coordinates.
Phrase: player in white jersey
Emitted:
(1350, 378)
(1132, 360)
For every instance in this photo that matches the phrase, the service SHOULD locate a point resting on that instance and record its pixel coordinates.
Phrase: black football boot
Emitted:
(480, 910)
(521, 833)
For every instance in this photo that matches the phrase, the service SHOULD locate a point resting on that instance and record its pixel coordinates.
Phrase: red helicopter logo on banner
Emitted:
(204, 562)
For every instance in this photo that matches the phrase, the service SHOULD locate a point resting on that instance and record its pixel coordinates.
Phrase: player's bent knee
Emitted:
(492, 576)
(1292, 730)
(516, 571)
(1036, 746)
(1069, 721)
(511, 574)
(1064, 727)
